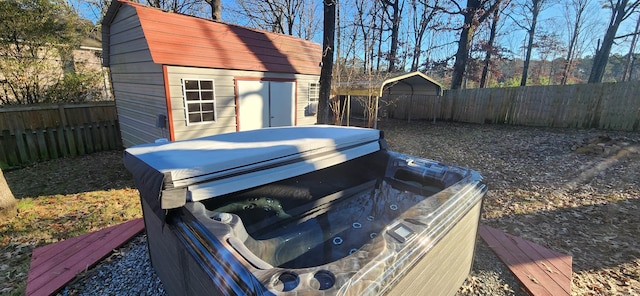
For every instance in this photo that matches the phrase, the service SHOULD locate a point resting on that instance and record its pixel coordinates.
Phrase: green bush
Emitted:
(75, 87)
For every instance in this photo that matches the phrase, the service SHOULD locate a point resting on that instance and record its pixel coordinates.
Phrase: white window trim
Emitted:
(185, 102)
(313, 110)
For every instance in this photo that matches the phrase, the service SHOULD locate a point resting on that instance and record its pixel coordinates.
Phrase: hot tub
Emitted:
(319, 210)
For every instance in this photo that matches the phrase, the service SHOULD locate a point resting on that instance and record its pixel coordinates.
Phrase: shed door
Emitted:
(265, 104)
(282, 98)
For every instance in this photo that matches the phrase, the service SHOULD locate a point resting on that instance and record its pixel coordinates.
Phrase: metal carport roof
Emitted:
(414, 83)
(409, 83)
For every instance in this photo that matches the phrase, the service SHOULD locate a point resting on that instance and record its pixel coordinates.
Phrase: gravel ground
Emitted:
(574, 191)
(128, 271)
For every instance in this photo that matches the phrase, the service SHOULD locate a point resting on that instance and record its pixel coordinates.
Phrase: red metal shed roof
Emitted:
(182, 40)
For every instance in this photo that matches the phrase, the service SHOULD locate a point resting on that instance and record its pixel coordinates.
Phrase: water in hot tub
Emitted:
(331, 231)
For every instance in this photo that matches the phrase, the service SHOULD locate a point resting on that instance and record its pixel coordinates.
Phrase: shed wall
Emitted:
(404, 102)
(225, 96)
(138, 85)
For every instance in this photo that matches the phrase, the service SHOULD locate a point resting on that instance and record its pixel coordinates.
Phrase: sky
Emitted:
(550, 20)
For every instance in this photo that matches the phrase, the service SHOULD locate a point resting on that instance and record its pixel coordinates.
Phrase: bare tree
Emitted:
(8, 203)
(620, 10)
(476, 12)
(364, 21)
(422, 16)
(216, 11)
(96, 9)
(394, 18)
(92, 9)
(291, 17)
(178, 6)
(628, 65)
(549, 47)
(574, 13)
(328, 41)
(531, 12)
(489, 47)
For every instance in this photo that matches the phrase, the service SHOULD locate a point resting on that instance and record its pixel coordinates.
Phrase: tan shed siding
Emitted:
(303, 99)
(225, 98)
(137, 82)
(137, 114)
(127, 42)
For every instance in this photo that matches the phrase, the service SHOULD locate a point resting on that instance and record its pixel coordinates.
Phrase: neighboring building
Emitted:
(179, 77)
(51, 68)
(401, 96)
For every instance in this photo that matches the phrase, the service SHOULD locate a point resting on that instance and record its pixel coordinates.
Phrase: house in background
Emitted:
(179, 77)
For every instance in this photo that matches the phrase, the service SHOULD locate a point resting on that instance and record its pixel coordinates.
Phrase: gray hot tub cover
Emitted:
(170, 174)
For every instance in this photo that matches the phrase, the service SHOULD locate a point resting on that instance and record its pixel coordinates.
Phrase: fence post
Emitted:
(10, 148)
(22, 148)
(42, 145)
(53, 147)
(63, 115)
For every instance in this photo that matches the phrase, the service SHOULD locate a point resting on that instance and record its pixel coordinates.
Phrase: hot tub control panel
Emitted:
(401, 232)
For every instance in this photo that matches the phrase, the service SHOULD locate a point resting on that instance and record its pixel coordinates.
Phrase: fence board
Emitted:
(9, 148)
(24, 147)
(606, 105)
(40, 132)
(79, 140)
(62, 142)
(4, 160)
(88, 138)
(71, 141)
(97, 139)
(42, 145)
(53, 146)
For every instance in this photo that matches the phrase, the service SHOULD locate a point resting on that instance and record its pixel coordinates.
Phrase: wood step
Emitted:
(542, 271)
(54, 265)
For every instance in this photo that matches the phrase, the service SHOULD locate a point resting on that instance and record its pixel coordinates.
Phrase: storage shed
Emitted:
(403, 96)
(178, 77)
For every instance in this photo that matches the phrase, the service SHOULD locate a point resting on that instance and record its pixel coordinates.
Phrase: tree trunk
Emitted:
(532, 31)
(474, 14)
(216, 12)
(626, 76)
(8, 203)
(492, 38)
(580, 7)
(464, 44)
(420, 23)
(328, 41)
(602, 55)
(395, 29)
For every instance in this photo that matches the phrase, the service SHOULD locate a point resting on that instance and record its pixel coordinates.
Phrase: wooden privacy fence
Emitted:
(613, 106)
(43, 132)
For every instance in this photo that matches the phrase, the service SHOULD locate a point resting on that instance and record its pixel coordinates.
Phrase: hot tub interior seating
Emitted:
(322, 216)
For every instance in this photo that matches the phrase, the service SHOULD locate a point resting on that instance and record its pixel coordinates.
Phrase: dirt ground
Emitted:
(576, 191)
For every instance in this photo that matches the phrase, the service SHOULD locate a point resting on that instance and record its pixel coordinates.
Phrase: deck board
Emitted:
(542, 271)
(54, 265)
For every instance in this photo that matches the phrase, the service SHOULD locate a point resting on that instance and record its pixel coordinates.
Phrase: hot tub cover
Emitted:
(202, 168)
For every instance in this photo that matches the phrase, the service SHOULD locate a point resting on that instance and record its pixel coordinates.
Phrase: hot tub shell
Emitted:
(341, 215)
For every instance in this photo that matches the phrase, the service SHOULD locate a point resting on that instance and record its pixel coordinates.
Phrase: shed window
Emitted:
(314, 96)
(199, 101)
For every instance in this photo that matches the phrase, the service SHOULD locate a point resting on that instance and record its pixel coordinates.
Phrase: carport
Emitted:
(410, 93)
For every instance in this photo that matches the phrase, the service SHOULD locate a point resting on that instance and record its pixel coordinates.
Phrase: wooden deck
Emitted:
(541, 271)
(54, 265)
